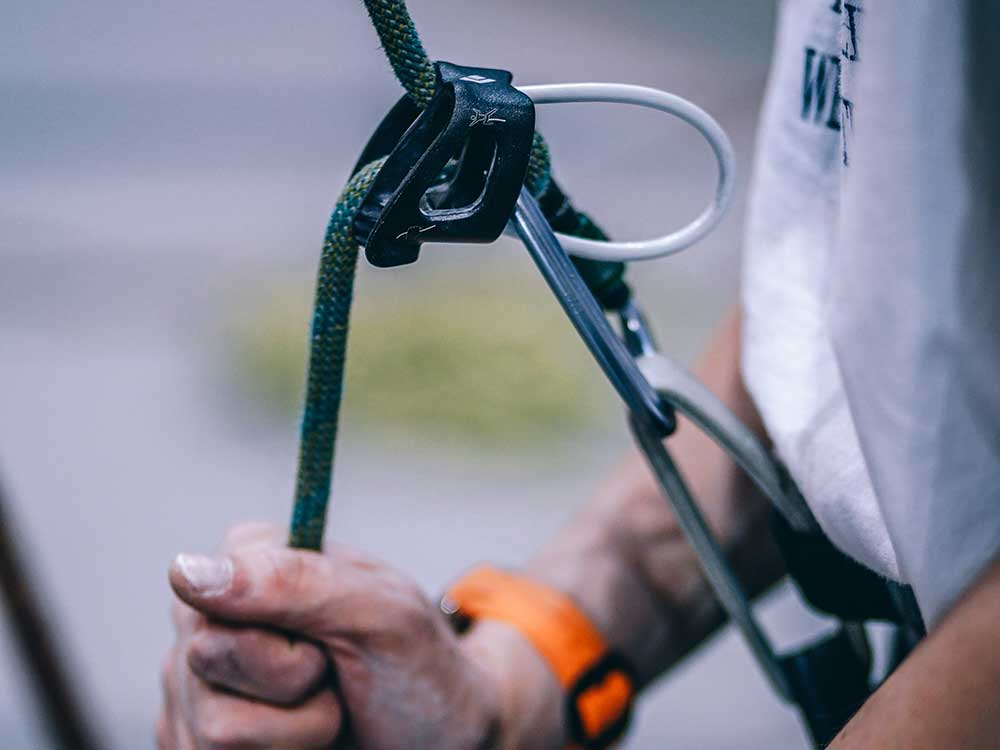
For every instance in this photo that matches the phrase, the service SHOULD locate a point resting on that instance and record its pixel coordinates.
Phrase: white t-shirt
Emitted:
(872, 281)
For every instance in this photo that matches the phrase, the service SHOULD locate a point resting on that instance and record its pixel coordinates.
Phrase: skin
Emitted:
(291, 649)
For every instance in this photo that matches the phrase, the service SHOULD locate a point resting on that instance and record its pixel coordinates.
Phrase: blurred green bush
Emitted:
(480, 353)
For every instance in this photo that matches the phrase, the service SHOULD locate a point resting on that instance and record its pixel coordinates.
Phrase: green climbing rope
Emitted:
(327, 356)
(335, 283)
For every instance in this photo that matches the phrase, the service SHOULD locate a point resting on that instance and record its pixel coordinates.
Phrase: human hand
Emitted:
(295, 649)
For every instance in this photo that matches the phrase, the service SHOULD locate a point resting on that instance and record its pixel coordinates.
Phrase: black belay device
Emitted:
(478, 124)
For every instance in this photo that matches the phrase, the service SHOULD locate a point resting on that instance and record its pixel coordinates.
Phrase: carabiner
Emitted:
(651, 418)
(587, 317)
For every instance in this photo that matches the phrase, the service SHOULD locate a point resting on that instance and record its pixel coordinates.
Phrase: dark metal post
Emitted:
(64, 720)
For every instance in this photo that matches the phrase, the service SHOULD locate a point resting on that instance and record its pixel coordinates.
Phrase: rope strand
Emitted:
(335, 283)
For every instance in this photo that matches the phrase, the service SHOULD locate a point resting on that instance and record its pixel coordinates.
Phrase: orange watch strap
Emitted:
(598, 682)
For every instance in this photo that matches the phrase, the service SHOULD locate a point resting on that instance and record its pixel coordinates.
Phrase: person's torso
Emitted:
(857, 246)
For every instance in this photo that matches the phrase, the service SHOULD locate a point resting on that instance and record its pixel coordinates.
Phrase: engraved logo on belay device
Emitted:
(413, 232)
(484, 118)
(481, 124)
(478, 79)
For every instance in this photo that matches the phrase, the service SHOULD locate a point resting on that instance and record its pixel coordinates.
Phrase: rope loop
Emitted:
(335, 283)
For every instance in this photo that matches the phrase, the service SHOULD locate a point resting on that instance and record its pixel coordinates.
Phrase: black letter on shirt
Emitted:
(822, 72)
(833, 121)
(851, 47)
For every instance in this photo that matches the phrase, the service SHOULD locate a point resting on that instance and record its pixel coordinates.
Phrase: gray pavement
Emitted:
(156, 157)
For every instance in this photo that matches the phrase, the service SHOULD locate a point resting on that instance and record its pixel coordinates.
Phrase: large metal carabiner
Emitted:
(587, 317)
(652, 386)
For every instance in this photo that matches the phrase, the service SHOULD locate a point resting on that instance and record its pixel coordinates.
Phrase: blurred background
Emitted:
(166, 173)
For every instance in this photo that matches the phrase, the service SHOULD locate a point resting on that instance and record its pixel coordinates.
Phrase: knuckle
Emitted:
(306, 658)
(219, 657)
(416, 620)
(168, 672)
(284, 671)
(330, 717)
(412, 614)
(385, 606)
(250, 531)
(184, 618)
(204, 654)
(289, 572)
(218, 731)
(363, 566)
(161, 732)
(306, 667)
(283, 574)
(260, 664)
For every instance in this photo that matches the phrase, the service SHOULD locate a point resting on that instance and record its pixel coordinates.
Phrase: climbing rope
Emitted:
(327, 358)
(338, 265)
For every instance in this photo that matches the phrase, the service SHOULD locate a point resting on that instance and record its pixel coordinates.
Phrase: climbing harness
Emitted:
(457, 160)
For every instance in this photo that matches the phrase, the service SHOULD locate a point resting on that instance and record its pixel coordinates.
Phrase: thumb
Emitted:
(277, 586)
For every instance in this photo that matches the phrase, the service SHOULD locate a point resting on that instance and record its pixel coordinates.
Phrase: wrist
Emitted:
(527, 709)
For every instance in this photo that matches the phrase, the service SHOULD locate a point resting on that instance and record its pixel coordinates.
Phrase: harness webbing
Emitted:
(335, 283)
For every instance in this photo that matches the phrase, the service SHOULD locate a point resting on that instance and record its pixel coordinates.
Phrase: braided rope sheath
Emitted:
(327, 357)
(335, 284)
(403, 47)
(415, 71)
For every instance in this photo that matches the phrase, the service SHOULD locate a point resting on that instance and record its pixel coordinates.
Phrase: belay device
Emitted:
(478, 123)
(457, 160)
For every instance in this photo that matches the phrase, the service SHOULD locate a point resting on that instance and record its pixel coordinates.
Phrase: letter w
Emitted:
(815, 84)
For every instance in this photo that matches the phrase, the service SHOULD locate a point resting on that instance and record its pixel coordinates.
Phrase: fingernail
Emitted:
(208, 576)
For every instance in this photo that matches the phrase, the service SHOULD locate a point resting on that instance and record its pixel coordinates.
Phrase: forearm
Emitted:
(947, 693)
(625, 561)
